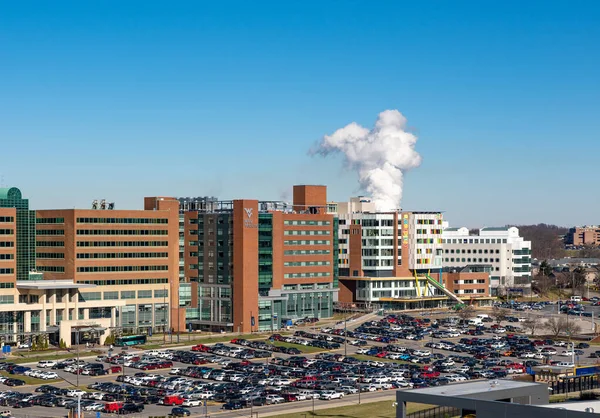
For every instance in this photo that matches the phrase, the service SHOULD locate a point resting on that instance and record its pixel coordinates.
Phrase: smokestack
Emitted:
(380, 156)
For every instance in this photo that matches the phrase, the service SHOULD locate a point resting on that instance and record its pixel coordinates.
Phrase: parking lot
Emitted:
(383, 354)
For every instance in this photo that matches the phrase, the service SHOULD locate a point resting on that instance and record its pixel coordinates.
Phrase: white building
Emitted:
(508, 254)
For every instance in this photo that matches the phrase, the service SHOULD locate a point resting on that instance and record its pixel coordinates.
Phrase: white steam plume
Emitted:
(380, 156)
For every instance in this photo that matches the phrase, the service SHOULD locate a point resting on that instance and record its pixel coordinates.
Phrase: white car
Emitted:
(422, 353)
(48, 375)
(192, 402)
(565, 364)
(24, 345)
(329, 395)
(566, 353)
(271, 399)
(73, 393)
(362, 351)
(43, 364)
(456, 378)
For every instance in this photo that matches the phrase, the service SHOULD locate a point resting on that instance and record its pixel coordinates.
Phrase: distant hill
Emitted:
(545, 240)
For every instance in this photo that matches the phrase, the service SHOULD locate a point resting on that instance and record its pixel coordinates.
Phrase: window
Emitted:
(161, 293)
(305, 275)
(128, 294)
(117, 232)
(121, 220)
(50, 221)
(111, 295)
(50, 244)
(144, 294)
(122, 243)
(50, 255)
(87, 296)
(7, 299)
(51, 269)
(112, 269)
(40, 232)
(7, 219)
(123, 255)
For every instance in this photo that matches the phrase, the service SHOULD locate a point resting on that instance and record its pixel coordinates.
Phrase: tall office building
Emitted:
(252, 265)
(21, 226)
(506, 253)
(97, 271)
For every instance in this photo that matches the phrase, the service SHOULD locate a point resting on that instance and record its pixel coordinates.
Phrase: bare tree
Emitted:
(499, 314)
(572, 328)
(531, 324)
(466, 313)
(555, 326)
(543, 284)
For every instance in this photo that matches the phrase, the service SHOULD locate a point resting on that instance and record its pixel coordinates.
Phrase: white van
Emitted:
(482, 316)
(575, 298)
(475, 321)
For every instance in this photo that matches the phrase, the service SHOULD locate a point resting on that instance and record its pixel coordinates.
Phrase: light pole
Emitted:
(346, 335)
(77, 369)
(78, 404)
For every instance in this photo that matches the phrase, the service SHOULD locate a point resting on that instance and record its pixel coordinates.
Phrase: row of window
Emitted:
(429, 231)
(7, 219)
(373, 252)
(474, 260)
(7, 285)
(122, 232)
(428, 240)
(468, 251)
(112, 269)
(307, 242)
(50, 221)
(7, 256)
(122, 243)
(50, 244)
(306, 252)
(7, 299)
(320, 223)
(306, 263)
(377, 263)
(123, 255)
(305, 275)
(307, 232)
(50, 255)
(7, 231)
(123, 220)
(40, 232)
(475, 241)
(423, 261)
(478, 281)
(124, 282)
(7, 271)
(51, 269)
(429, 221)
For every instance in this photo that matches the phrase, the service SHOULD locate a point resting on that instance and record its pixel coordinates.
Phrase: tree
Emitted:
(466, 313)
(572, 328)
(542, 284)
(562, 325)
(545, 269)
(499, 314)
(531, 324)
(555, 326)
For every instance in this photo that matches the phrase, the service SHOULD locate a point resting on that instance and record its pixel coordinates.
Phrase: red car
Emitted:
(115, 369)
(200, 347)
(430, 374)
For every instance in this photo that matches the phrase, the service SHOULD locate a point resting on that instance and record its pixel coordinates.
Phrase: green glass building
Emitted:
(12, 198)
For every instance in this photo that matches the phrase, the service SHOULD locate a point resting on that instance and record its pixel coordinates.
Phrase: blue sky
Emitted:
(121, 100)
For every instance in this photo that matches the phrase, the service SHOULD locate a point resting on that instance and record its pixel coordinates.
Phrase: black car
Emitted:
(233, 405)
(14, 382)
(131, 408)
(583, 345)
(180, 412)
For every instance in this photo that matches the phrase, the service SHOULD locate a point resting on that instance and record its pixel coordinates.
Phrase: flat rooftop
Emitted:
(52, 284)
(471, 388)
